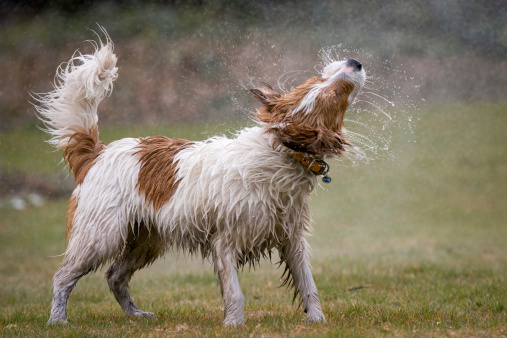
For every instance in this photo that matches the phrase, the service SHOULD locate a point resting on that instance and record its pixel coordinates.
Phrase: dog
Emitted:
(232, 199)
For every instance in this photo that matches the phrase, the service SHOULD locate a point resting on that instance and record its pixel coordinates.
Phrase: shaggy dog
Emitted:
(232, 199)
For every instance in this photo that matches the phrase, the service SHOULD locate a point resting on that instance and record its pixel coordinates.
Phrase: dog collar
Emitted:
(317, 167)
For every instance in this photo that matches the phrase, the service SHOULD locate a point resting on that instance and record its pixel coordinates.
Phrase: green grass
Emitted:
(426, 236)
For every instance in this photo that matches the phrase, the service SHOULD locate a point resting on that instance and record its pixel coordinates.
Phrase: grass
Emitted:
(424, 236)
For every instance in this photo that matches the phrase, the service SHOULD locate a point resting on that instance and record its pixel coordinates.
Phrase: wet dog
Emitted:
(234, 199)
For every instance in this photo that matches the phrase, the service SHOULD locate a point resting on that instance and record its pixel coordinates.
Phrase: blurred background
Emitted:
(188, 61)
(421, 201)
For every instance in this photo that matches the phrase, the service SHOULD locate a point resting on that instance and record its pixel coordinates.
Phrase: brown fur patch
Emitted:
(71, 211)
(266, 95)
(82, 151)
(317, 132)
(157, 176)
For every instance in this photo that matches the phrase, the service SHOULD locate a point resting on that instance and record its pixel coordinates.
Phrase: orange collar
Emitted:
(317, 167)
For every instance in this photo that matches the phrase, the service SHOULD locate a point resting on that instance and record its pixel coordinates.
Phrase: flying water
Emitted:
(385, 110)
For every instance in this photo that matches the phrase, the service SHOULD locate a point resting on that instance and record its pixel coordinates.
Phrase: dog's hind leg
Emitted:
(83, 254)
(63, 282)
(226, 267)
(296, 255)
(141, 248)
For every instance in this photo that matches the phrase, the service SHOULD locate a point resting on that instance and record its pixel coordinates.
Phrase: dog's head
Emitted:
(309, 118)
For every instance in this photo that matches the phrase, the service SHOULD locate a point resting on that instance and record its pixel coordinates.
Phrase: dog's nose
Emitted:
(356, 65)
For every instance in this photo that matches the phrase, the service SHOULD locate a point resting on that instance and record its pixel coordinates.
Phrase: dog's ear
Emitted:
(304, 138)
(266, 95)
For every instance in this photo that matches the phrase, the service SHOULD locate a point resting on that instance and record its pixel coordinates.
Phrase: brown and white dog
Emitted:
(234, 199)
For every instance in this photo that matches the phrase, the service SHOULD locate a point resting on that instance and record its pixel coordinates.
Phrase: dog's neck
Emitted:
(316, 166)
(310, 161)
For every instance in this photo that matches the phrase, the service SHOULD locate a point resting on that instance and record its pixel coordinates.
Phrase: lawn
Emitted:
(413, 246)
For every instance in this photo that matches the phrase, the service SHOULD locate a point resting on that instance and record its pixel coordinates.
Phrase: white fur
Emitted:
(332, 72)
(80, 85)
(105, 203)
(237, 185)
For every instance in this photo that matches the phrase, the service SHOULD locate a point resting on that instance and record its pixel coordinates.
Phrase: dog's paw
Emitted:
(56, 321)
(234, 321)
(142, 314)
(316, 317)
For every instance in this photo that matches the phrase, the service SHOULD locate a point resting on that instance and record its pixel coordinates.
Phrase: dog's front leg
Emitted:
(296, 255)
(226, 267)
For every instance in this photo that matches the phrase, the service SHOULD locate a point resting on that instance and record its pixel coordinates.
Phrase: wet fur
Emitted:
(234, 200)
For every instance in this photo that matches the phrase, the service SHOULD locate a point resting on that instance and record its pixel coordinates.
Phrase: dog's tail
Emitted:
(69, 112)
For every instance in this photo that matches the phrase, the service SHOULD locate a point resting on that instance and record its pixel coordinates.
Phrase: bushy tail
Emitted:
(80, 85)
